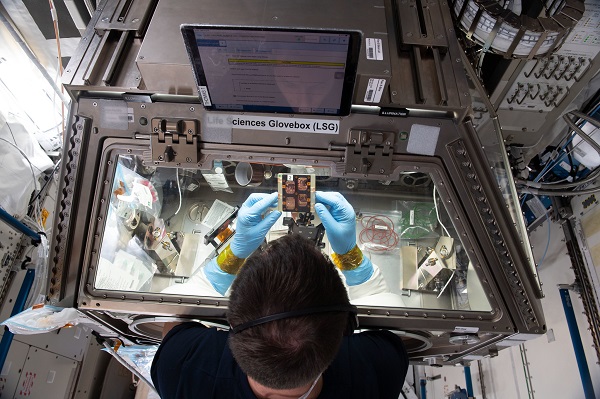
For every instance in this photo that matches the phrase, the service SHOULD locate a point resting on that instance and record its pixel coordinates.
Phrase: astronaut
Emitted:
(289, 311)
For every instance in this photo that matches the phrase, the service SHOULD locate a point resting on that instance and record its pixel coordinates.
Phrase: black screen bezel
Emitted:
(350, 73)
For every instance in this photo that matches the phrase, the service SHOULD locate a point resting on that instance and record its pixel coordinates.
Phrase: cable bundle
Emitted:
(378, 233)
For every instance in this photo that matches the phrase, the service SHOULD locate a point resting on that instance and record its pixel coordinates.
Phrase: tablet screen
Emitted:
(268, 70)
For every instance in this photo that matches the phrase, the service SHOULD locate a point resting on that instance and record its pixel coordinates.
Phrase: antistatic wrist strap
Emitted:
(228, 262)
(348, 261)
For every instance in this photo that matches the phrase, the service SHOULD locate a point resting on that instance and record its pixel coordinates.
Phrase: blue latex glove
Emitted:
(361, 274)
(220, 280)
(340, 224)
(251, 228)
(339, 220)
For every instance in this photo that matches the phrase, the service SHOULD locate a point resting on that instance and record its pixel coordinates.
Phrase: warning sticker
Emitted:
(374, 49)
(374, 91)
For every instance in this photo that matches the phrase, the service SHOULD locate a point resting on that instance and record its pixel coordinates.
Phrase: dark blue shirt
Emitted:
(196, 362)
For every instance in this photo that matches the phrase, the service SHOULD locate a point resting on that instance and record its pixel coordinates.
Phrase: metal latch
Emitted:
(174, 141)
(370, 152)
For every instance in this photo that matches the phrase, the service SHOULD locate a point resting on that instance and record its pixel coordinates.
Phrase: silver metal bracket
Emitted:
(174, 141)
(370, 152)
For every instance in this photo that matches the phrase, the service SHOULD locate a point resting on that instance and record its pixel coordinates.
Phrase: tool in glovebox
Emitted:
(304, 226)
(220, 233)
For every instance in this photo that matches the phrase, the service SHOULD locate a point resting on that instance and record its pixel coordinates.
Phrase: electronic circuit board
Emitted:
(296, 193)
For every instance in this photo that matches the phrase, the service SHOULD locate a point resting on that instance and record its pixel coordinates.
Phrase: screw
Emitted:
(190, 131)
(353, 141)
(382, 171)
(143, 106)
(188, 159)
(354, 169)
(192, 109)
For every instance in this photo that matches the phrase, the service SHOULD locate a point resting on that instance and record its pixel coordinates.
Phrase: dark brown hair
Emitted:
(290, 274)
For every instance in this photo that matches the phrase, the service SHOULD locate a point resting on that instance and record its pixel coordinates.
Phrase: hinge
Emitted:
(370, 152)
(174, 141)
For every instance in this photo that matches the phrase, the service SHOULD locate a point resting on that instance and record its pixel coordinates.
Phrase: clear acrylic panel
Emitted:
(163, 226)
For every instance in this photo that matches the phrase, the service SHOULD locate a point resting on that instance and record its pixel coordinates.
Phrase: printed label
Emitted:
(536, 207)
(466, 330)
(205, 97)
(218, 212)
(565, 166)
(281, 124)
(143, 194)
(374, 49)
(374, 90)
(217, 181)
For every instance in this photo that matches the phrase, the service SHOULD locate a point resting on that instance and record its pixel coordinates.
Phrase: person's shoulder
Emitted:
(188, 357)
(378, 341)
(192, 334)
(378, 334)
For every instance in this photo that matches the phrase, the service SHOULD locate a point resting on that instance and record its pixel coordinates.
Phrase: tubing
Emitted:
(469, 381)
(561, 193)
(584, 371)
(35, 237)
(33, 58)
(19, 306)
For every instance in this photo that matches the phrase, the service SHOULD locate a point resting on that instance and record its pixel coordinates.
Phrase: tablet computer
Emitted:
(293, 71)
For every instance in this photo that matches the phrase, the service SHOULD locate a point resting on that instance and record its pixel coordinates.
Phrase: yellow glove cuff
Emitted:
(348, 261)
(228, 262)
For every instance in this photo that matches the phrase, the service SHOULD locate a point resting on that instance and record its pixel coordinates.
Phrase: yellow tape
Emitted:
(348, 261)
(228, 262)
